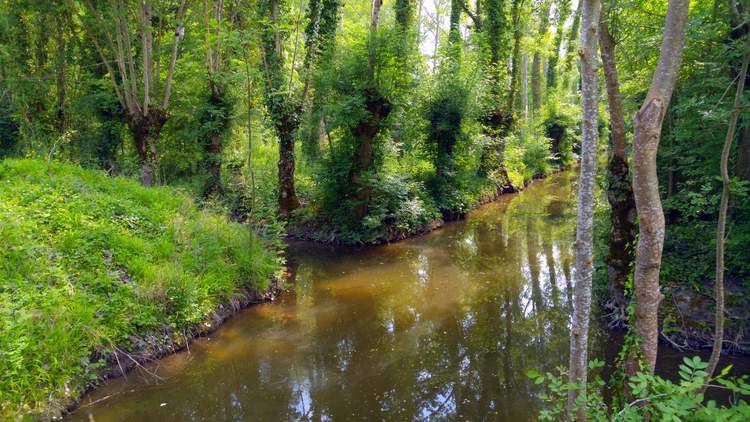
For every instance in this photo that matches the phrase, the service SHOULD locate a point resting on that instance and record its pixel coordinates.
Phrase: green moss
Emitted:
(89, 261)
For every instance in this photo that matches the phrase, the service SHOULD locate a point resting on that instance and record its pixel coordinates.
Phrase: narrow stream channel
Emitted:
(443, 326)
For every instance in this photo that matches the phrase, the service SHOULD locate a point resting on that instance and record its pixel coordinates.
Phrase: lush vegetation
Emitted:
(92, 263)
(352, 122)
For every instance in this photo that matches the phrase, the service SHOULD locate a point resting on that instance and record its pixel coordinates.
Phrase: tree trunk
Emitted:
(145, 131)
(722, 221)
(288, 200)
(647, 125)
(516, 58)
(365, 132)
(742, 164)
(213, 150)
(563, 13)
(569, 56)
(619, 189)
(585, 222)
(536, 83)
(536, 65)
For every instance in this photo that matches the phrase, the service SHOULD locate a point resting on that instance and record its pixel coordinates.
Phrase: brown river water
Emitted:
(439, 327)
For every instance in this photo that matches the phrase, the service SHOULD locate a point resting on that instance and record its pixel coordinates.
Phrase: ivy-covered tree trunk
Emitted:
(219, 108)
(516, 58)
(378, 108)
(145, 131)
(281, 105)
(366, 131)
(492, 25)
(647, 125)
(619, 190)
(579, 334)
(286, 130)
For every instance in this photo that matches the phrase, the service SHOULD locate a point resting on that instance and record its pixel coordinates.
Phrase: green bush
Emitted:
(91, 262)
(662, 399)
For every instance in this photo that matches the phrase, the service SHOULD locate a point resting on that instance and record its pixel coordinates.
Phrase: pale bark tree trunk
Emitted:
(713, 361)
(585, 223)
(647, 125)
(619, 190)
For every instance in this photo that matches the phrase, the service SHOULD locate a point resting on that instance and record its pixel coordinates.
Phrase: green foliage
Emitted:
(662, 399)
(91, 262)
(560, 124)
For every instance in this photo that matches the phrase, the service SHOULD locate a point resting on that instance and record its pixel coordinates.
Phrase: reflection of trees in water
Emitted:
(378, 356)
(469, 312)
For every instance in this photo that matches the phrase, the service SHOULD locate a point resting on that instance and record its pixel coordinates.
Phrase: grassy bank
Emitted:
(90, 263)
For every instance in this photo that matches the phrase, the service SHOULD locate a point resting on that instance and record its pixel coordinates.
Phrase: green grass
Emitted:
(89, 262)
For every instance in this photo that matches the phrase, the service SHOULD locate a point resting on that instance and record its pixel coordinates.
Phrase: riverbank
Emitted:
(98, 274)
(304, 227)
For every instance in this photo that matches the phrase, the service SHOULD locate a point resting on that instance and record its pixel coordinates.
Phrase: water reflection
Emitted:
(442, 327)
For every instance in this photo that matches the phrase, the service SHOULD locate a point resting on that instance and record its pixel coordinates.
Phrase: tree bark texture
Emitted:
(619, 189)
(585, 222)
(647, 125)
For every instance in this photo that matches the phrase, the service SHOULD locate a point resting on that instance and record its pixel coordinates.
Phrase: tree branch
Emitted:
(475, 18)
(178, 33)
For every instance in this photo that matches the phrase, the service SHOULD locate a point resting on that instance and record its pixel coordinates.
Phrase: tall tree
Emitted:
(563, 11)
(647, 125)
(516, 55)
(570, 45)
(283, 101)
(491, 22)
(378, 108)
(284, 108)
(219, 107)
(136, 90)
(536, 63)
(585, 223)
(740, 26)
(619, 189)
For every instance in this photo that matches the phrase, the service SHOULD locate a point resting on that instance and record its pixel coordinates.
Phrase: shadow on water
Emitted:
(440, 327)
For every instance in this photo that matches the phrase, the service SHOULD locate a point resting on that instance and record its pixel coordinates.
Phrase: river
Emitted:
(439, 327)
